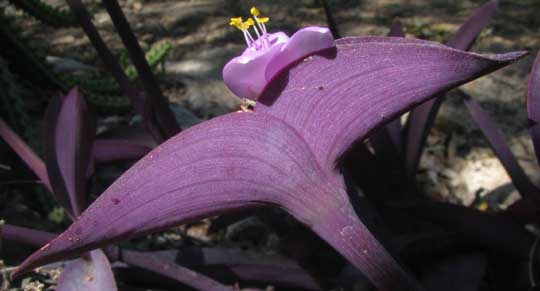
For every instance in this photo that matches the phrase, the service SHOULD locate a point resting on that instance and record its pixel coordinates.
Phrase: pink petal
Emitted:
(245, 74)
(303, 43)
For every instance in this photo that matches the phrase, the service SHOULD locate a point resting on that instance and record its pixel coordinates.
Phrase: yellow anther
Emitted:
(249, 22)
(236, 22)
(254, 11)
(263, 19)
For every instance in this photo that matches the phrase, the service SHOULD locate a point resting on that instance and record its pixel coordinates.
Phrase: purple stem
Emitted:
(354, 241)
(108, 150)
(27, 236)
(330, 19)
(173, 271)
(30, 158)
(155, 98)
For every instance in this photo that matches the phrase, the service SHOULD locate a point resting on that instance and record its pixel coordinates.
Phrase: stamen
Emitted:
(245, 25)
(260, 20)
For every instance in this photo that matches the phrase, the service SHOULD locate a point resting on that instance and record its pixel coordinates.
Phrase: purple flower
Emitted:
(269, 53)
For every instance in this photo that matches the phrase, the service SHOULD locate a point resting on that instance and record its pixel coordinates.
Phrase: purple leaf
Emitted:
(27, 236)
(91, 272)
(25, 153)
(497, 142)
(147, 111)
(160, 114)
(464, 38)
(422, 117)
(108, 150)
(69, 138)
(229, 163)
(171, 270)
(109, 60)
(336, 97)
(533, 106)
(330, 19)
(244, 265)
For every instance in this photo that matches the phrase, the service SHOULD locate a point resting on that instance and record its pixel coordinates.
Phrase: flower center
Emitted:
(261, 42)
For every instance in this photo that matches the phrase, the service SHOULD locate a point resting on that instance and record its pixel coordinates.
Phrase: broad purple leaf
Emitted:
(91, 272)
(108, 150)
(69, 138)
(341, 95)
(25, 153)
(533, 106)
(169, 269)
(422, 117)
(497, 142)
(27, 236)
(232, 162)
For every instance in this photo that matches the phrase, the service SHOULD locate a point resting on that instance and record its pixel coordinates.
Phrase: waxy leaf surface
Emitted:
(338, 96)
(235, 161)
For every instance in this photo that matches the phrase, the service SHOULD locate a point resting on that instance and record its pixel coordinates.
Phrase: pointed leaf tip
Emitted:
(218, 166)
(332, 101)
(70, 131)
(421, 118)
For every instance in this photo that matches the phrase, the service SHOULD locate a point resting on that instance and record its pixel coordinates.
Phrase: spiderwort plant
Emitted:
(309, 111)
